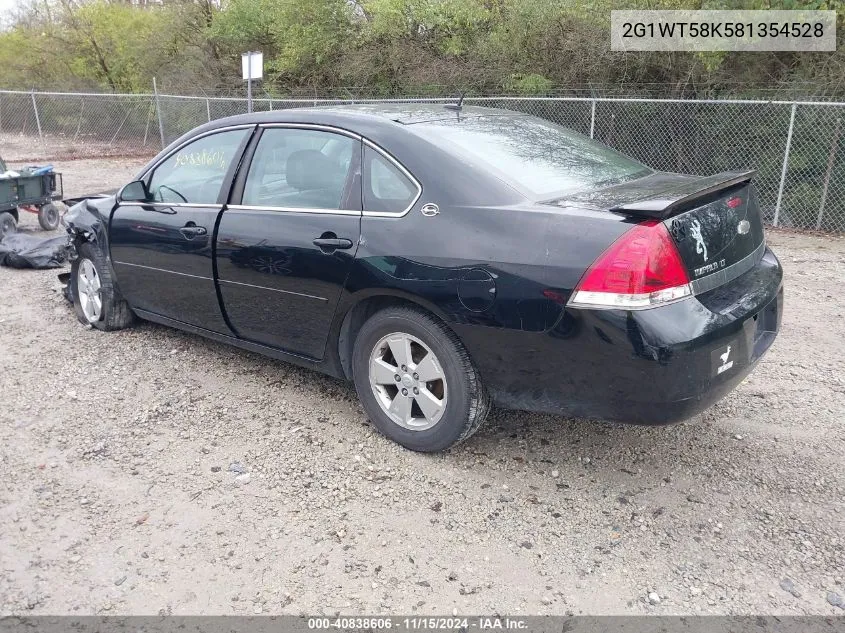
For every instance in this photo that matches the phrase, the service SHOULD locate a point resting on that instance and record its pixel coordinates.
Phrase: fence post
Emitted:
(593, 118)
(833, 147)
(79, 123)
(120, 127)
(208, 109)
(147, 127)
(785, 165)
(158, 112)
(37, 118)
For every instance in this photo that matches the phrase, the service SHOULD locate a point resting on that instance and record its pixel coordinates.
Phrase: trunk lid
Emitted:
(714, 221)
(720, 239)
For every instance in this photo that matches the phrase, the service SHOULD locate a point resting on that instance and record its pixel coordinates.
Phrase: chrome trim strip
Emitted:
(313, 126)
(409, 175)
(287, 292)
(254, 207)
(163, 270)
(188, 205)
(215, 206)
(714, 280)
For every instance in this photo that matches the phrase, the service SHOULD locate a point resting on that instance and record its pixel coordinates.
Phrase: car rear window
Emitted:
(538, 157)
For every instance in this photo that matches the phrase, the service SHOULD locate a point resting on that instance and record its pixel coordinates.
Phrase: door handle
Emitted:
(191, 230)
(329, 244)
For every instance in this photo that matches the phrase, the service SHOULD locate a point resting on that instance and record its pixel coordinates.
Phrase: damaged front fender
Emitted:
(87, 221)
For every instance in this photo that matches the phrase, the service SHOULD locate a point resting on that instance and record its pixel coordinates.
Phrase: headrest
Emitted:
(311, 169)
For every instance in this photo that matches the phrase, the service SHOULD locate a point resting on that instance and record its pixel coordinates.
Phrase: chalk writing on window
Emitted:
(204, 158)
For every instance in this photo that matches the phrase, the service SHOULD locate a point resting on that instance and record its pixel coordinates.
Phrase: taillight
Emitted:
(641, 269)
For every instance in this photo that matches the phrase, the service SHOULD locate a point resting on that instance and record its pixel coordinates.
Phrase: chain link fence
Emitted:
(796, 147)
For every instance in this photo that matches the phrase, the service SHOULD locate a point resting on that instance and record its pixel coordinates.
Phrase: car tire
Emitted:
(90, 280)
(455, 384)
(49, 216)
(8, 224)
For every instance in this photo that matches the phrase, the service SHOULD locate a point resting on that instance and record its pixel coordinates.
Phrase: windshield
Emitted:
(533, 155)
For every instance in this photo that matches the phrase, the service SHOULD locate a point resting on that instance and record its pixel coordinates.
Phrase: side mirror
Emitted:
(134, 192)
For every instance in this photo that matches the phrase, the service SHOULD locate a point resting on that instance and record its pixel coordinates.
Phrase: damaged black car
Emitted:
(444, 260)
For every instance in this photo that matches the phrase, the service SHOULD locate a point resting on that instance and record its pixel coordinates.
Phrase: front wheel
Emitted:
(416, 381)
(48, 217)
(95, 299)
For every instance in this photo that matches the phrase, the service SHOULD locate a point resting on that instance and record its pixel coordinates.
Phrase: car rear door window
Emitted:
(300, 169)
(195, 173)
(386, 188)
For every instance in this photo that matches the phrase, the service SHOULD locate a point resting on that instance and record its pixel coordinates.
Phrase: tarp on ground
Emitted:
(19, 250)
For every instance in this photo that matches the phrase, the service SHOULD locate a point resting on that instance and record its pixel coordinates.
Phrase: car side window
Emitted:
(301, 169)
(195, 172)
(386, 188)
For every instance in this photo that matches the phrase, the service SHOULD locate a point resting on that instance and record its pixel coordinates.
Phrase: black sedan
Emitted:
(444, 259)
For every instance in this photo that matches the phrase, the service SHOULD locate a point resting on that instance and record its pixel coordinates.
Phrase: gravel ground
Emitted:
(20, 148)
(150, 471)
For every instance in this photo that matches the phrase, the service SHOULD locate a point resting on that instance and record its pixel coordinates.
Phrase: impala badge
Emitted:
(700, 246)
(743, 227)
(430, 210)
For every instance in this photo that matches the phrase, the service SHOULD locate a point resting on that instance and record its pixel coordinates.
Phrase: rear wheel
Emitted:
(48, 217)
(7, 224)
(416, 380)
(95, 299)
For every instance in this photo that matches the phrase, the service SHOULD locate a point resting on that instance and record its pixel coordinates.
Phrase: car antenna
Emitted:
(456, 106)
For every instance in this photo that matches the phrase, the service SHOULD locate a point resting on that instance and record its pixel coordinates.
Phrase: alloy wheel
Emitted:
(408, 381)
(89, 291)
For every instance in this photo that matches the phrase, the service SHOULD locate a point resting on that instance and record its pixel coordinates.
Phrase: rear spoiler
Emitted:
(672, 201)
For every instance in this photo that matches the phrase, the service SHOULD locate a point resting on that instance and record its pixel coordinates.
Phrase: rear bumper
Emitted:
(654, 366)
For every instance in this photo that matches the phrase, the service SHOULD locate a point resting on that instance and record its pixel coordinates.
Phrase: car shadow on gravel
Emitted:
(251, 362)
(698, 442)
(505, 432)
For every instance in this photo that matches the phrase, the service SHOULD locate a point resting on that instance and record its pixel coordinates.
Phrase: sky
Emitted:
(6, 8)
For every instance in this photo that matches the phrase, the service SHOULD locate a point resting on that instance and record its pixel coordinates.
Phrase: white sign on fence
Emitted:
(252, 65)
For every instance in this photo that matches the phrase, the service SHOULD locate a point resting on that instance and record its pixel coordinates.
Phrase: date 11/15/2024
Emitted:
(481, 623)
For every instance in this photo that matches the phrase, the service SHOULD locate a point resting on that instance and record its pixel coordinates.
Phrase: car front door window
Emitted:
(194, 174)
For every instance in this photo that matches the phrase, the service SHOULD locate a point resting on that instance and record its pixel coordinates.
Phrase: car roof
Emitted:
(411, 113)
(407, 113)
